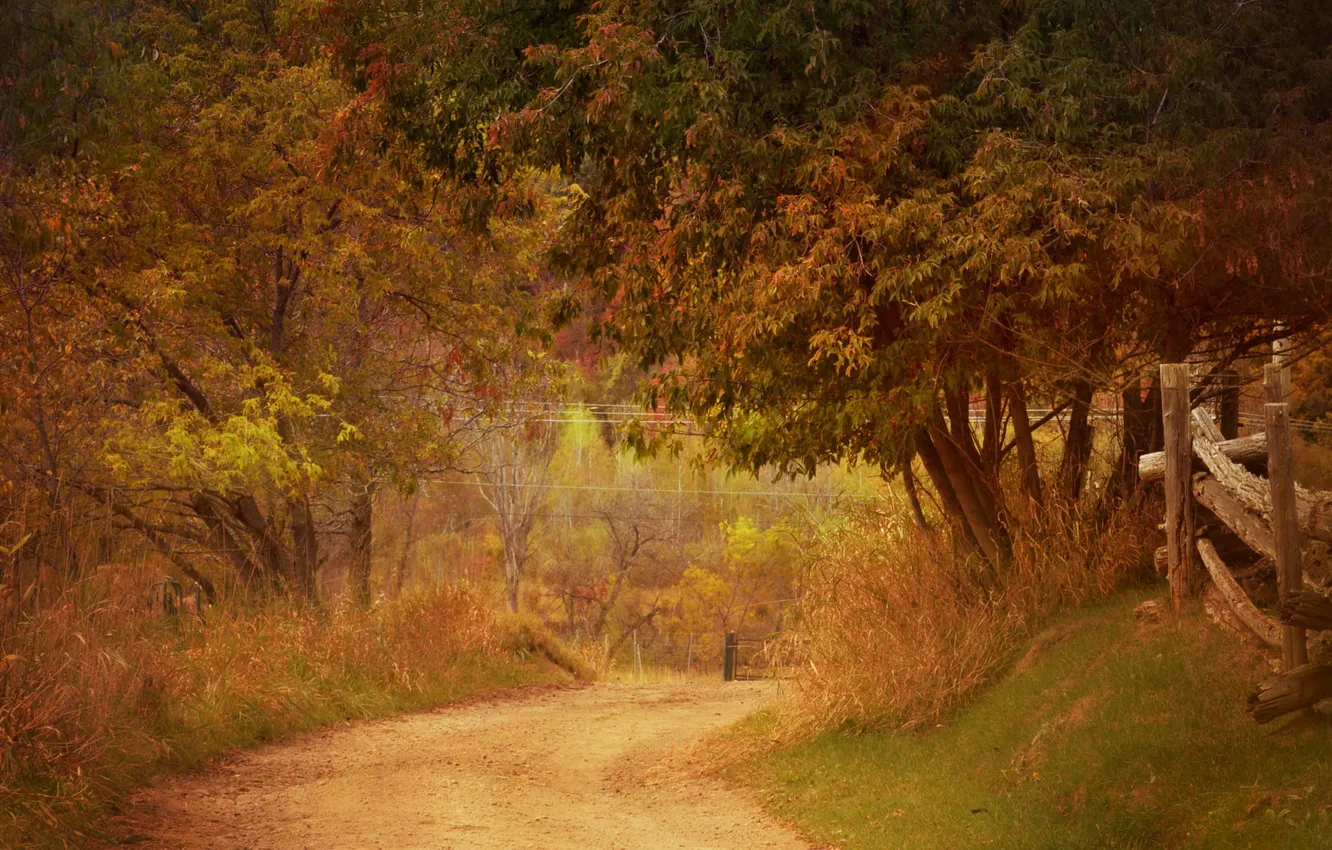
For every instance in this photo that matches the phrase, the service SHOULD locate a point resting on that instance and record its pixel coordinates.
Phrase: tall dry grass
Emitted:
(96, 693)
(897, 632)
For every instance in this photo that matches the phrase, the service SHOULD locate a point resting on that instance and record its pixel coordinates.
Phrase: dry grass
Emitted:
(1313, 462)
(97, 694)
(897, 633)
(526, 636)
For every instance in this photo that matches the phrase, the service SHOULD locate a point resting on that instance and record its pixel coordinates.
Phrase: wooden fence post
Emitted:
(1273, 385)
(1281, 362)
(1178, 481)
(1285, 527)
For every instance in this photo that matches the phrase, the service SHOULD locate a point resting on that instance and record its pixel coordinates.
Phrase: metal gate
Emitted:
(746, 659)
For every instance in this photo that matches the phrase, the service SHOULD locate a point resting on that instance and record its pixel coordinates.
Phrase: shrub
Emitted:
(526, 636)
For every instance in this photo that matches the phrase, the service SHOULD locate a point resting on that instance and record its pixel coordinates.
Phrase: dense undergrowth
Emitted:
(97, 695)
(898, 632)
(1110, 731)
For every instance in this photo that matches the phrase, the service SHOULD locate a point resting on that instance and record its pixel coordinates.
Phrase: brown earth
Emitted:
(595, 767)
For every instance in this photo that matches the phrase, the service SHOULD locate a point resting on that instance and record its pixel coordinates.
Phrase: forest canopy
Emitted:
(265, 258)
(823, 227)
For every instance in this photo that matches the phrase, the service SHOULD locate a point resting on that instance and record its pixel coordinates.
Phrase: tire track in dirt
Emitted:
(585, 768)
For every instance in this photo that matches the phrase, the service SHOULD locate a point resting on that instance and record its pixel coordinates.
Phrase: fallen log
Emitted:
(1307, 609)
(1246, 450)
(1254, 620)
(1204, 423)
(1214, 496)
(1300, 688)
(1218, 610)
(1312, 508)
(1252, 491)
(1315, 511)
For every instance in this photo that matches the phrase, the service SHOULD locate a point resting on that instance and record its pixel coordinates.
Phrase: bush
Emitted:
(526, 636)
(96, 695)
(898, 633)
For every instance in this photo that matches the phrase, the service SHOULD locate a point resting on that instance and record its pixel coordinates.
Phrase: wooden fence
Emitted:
(1234, 505)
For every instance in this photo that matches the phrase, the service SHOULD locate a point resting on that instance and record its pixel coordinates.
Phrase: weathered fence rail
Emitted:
(1236, 499)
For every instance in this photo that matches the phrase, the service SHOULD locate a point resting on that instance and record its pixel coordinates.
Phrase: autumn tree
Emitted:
(514, 473)
(272, 321)
(826, 228)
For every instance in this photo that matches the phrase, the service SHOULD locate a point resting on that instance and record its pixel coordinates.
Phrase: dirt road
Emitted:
(588, 768)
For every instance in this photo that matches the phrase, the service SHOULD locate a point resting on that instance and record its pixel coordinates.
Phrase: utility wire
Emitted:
(551, 415)
(691, 492)
(667, 520)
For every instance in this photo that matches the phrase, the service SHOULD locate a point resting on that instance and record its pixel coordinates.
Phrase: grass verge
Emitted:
(1110, 732)
(96, 697)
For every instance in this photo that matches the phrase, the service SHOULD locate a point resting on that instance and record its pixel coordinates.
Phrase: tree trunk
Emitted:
(1230, 404)
(512, 571)
(913, 498)
(408, 538)
(1077, 449)
(971, 494)
(1156, 431)
(952, 506)
(992, 442)
(1026, 446)
(220, 539)
(963, 438)
(361, 532)
(1135, 431)
(305, 564)
(267, 547)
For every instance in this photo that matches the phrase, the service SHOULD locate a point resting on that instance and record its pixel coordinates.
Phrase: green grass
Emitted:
(1111, 733)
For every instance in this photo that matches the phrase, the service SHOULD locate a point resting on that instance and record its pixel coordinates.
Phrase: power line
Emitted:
(608, 421)
(662, 518)
(688, 491)
(621, 414)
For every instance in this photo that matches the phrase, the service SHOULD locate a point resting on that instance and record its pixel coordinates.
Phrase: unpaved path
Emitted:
(589, 768)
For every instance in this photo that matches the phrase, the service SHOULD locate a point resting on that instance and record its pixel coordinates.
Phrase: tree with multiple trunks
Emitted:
(825, 228)
(514, 470)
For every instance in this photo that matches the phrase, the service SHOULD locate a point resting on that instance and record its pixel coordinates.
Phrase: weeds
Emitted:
(897, 632)
(96, 695)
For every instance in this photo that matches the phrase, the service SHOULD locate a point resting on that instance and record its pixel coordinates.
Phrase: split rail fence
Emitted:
(1232, 504)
